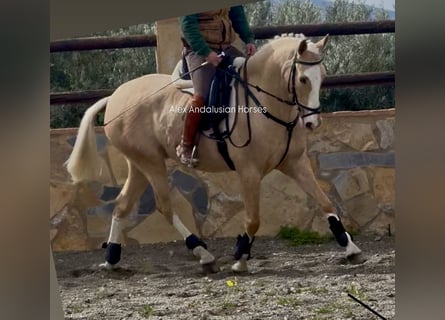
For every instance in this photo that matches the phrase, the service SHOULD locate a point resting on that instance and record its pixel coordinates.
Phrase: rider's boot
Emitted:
(185, 149)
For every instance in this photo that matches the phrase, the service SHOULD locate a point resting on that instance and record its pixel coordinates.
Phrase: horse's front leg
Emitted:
(250, 186)
(303, 174)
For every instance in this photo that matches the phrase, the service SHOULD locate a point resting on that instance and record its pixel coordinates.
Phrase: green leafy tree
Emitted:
(358, 53)
(97, 69)
(287, 12)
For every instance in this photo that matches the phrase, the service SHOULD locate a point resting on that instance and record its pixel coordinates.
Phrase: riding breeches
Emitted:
(203, 76)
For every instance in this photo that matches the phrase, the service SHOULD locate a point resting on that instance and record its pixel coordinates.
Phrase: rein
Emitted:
(294, 102)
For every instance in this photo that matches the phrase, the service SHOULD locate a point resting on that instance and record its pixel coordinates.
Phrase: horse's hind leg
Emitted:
(156, 172)
(301, 171)
(133, 188)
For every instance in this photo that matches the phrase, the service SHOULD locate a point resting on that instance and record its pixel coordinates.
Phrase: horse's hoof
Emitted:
(210, 267)
(108, 266)
(240, 266)
(356, 258)
(205, 256)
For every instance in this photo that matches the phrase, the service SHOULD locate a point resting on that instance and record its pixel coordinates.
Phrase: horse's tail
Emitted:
(82, 163)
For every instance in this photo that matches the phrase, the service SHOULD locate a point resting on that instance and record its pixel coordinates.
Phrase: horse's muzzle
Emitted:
(312, 123)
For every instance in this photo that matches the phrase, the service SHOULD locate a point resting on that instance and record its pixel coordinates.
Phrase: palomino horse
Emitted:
(139, 122)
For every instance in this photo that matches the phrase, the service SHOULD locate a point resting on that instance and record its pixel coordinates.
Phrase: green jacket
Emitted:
(216, 29)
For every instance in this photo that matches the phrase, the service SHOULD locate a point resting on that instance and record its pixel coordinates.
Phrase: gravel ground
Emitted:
(165, 281)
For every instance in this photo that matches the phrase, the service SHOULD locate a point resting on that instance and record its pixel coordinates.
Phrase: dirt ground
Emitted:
(165, 281)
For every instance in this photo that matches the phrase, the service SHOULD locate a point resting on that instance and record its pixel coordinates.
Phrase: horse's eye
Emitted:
(303, 80)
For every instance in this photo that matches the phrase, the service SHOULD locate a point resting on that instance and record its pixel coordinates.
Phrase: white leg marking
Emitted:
(182, 229)
(205, 256)
(108, 266)
(117, 225)
(351, 248)
(241, 264)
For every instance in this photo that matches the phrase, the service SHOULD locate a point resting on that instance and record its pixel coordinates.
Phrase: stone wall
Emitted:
(352, 155)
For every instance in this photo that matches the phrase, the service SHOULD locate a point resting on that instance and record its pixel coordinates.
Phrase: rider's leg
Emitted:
(201, 79)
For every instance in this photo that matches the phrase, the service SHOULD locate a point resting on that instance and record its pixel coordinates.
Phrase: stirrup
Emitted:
(189, 160)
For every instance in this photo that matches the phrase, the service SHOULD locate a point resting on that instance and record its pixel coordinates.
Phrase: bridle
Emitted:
(291, 87)
(294, 102)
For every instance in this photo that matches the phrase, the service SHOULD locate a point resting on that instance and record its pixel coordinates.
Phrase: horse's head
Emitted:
(304, 73)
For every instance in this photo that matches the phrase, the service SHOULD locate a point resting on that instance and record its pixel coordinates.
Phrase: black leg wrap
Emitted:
(113, 255)
(243, 246)
(193, 241)
(338, 230)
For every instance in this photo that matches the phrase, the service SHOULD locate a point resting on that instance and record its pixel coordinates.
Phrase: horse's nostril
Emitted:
(309, 125)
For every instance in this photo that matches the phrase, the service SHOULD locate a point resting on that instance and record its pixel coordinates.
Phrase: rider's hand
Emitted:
(250, 49)
(213, 58)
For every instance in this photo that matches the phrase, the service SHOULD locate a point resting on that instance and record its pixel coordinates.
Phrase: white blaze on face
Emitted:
(314, 75)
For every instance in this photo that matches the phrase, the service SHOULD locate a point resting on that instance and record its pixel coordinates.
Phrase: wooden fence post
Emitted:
(169, 45)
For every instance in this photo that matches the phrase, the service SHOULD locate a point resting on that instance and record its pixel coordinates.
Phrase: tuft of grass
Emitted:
(292, 302)
(329, 308)
(227, 307)
(146, 311)
(77, 308)
(317, 291)
(325, 310)
(354, 289)
(298, 237)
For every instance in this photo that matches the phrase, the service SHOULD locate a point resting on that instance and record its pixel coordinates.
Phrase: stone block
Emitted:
(359, 136)
(351, 183)
(147, 202)
(320, 225)
(384, 185)
(184, 182)
(98, 226)
(71, 231)
(52, 234)
(282, 205)
(278, 181)
(222, 208)
(386, 128)
(362, 209)
(324, 140)
(200, 201)
(226, 182)
(381, 225)
(324, 145)
(153, 229)
(347, 160)
(59, 196)
(232, 227)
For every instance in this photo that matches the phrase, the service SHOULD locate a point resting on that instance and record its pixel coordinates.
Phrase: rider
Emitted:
(205, 35)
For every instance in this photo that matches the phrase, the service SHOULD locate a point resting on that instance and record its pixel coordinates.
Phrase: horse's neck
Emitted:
(266, 74)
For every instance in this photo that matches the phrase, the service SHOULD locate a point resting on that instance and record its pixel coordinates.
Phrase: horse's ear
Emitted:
(302, 46)
(322, 43)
